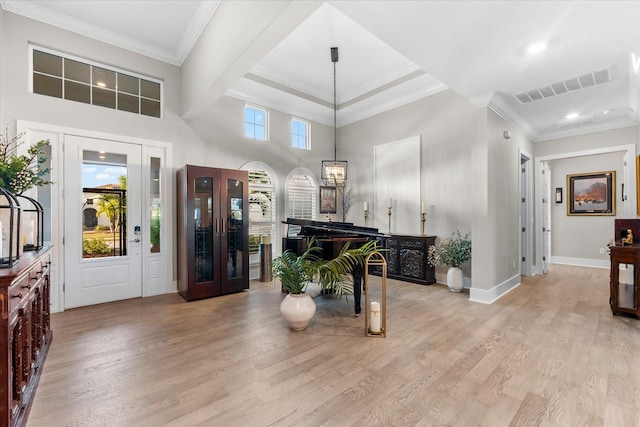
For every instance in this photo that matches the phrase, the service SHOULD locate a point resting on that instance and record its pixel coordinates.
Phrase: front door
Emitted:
(102, 221)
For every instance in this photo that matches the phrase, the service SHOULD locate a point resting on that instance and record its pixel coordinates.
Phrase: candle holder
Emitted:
(375, 319)
(423, 220)
(389, 232)
(366, 217)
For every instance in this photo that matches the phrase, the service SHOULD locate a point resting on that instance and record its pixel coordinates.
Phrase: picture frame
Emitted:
(328, 200)
(591, 193)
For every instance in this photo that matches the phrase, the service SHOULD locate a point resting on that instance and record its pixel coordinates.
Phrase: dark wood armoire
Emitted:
(213, 231)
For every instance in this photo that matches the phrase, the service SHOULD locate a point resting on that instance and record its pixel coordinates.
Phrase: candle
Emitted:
(423, 208)
(30, 232)
(375, 317)
(390, 203)
(366, 206)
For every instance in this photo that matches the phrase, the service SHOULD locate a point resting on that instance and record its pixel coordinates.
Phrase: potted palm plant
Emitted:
(452, 252)
(296, 272)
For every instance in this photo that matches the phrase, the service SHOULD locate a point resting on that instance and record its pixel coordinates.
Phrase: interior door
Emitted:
(234, 201)
(102, 224)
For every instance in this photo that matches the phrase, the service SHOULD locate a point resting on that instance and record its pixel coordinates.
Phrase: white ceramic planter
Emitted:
(297, 310)
(455, 279)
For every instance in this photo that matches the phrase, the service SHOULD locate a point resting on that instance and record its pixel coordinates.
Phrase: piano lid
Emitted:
(309, 227)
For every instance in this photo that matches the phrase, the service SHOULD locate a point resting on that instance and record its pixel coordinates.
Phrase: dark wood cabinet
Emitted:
(625, 279)
(213, 231)
(406, 258)
(25, 333)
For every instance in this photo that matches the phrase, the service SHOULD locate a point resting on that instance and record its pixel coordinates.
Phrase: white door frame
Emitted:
(160, 265)
(629, 205)
(526, 214)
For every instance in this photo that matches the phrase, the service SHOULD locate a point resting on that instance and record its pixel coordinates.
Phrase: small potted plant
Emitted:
(296, 272)
(452, 252)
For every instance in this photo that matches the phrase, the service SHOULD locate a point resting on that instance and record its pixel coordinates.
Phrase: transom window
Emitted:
(255, 122)
(300, 134)
(74, 79)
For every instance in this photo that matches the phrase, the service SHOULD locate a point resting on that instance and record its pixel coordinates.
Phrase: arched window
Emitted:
(262, 206)
(302, 195)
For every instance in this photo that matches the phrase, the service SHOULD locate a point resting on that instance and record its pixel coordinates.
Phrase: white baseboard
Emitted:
(581, 262)
(488, 296)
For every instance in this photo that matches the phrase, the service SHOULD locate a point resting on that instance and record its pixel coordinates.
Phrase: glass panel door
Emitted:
(235, 221)
(102, 221)
(104, 204)
(156, 204)
(204, 229)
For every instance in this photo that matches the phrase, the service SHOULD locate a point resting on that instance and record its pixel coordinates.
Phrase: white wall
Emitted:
(582, 237)
(570, 243)
(504, 195)
(18, 103)
(237, 37)
(222, 130)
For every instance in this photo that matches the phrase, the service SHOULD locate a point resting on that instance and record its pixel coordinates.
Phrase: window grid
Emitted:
(66, 82)
(255, 122)
(300, 134)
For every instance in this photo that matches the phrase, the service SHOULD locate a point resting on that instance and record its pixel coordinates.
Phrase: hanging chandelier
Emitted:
(334, 172)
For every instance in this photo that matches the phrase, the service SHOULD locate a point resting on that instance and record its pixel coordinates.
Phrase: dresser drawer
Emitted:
(19, 291)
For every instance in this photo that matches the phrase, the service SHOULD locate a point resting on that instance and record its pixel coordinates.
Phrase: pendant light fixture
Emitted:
(334, 172)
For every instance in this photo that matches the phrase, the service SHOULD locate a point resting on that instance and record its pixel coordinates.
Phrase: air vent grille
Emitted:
(565, 86)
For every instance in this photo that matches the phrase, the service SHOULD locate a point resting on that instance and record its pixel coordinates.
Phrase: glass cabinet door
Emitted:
(235, 225)
(204, 229)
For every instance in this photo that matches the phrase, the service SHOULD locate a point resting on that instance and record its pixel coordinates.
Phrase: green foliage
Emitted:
(295, 272)
(95, 247)
(155, 229)
(20, 173)
(111, 205)
(451, 252)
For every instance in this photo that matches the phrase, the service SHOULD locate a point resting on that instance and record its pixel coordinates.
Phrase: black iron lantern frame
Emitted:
(9, 228)
(32, 223)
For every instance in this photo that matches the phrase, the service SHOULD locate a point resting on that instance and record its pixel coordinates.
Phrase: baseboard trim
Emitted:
(581, 262)
(489, 296)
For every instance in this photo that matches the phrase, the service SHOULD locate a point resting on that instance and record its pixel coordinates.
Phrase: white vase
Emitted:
(297, 310)
(455, 279)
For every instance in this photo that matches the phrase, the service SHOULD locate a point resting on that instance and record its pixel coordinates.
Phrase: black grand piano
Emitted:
(331, 236)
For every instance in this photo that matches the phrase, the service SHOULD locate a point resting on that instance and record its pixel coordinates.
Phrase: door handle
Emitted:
(135, 240)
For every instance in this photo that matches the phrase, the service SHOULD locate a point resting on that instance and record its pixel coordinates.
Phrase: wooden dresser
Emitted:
(25, 333)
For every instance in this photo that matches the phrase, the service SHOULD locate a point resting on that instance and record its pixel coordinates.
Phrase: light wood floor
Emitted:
(548, 353)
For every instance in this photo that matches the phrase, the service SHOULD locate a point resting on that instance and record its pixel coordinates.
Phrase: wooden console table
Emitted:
(25, 333)
(624, 284)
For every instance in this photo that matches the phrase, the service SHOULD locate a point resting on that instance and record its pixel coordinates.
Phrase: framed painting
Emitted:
(591, 193)
(328, 200)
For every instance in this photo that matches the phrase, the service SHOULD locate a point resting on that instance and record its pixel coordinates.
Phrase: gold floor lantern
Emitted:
(375, 319)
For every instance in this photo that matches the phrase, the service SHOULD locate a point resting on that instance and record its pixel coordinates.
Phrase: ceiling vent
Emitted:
(565, 86)
(582, 121)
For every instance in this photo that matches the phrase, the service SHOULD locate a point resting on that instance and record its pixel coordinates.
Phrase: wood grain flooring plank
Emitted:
(548, 353)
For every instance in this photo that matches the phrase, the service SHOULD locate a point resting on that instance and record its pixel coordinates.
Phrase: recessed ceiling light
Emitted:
(572, 116)
(536, 48)
(606, 111)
